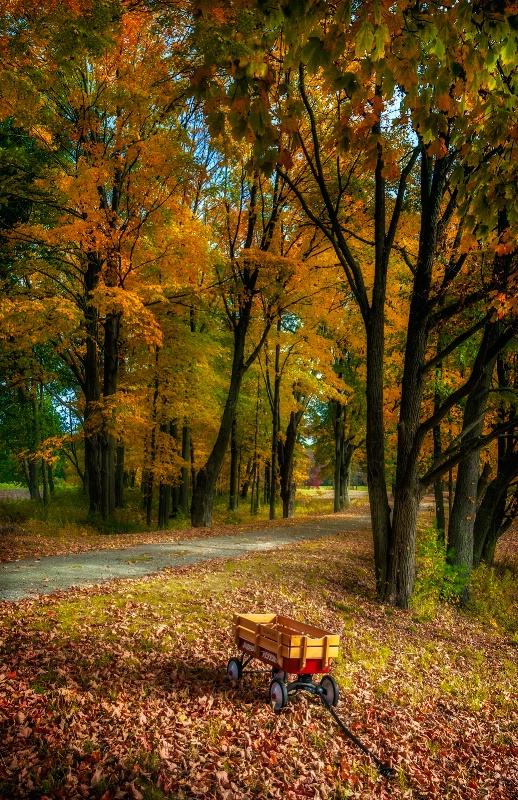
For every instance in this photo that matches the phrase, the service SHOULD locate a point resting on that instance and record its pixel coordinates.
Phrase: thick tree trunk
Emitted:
(92, 389)
(438, 487)
(34, 489)
(375, 450)
(266, 487)
(491, 512)
(401, 573)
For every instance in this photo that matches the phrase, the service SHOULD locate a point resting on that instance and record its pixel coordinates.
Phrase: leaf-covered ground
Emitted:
(120, 692)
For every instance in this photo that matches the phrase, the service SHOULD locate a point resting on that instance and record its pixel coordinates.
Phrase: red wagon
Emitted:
(287, 647)
(291, 647)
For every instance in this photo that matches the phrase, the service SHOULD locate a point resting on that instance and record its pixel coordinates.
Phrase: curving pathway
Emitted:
(32, 577)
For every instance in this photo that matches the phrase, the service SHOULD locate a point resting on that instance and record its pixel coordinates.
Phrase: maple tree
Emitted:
(180, 178)
(355, 61)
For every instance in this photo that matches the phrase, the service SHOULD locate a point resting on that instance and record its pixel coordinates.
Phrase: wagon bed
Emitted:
(285, 644)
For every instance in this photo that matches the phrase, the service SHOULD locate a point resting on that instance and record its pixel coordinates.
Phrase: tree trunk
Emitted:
(45, 481)
(203, 494)
(164, 505)
(92, 388)
(234, 456)
(286, 450)
(108, 440)
(186, 455)
(266, 493)
(34, 489)
(401, 567)
(339, 442)
(274, 469)
(345, 474)
(462, 520)
(50, 478)
(119, 477)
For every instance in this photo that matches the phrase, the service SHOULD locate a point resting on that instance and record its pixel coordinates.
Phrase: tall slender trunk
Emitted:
(408, 493)
(232, 499)
(119, 476)
(438, 488)
(338, 428)
(92, 424)
(109, 441)
(274, 468)
(152, 448)
(345, 473)
(45, 482)
(50, 478)
(203, 494)
(34, 488)
(186, 455)
(286, 451)
(462, 520)
(164, 505)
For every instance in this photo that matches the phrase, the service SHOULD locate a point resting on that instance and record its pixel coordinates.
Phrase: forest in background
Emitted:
(233, 234)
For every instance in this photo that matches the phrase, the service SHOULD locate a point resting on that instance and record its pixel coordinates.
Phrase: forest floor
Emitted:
(119, 691)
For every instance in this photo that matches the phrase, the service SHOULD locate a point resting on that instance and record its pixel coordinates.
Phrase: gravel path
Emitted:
(32, 577)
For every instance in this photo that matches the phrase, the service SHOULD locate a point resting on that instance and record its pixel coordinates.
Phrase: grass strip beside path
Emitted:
(120, 692)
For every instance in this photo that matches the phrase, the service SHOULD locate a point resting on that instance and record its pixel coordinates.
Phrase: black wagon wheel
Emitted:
(278, 694)
(278, 673)
(234, 670)
(330, 687)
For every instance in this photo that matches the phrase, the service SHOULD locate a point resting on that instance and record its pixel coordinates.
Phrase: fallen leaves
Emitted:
(129, 700)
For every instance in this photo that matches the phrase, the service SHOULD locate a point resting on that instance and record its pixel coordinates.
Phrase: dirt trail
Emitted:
(31, 577)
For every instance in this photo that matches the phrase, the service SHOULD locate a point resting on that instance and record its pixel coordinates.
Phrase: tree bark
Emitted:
(108, 440)
(401, 562)
(234, 456)
(274, 468)
(285, 451)
(119, 477)
(186, 455)
(164, 505)
(339, 441)
(462, 520)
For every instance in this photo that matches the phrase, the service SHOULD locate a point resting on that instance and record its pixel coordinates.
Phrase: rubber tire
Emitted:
(278, 694)
(234, 670)
(331, 691)
(279, 674)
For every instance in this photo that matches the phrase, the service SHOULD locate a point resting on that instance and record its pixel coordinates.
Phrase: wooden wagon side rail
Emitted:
(290, 643)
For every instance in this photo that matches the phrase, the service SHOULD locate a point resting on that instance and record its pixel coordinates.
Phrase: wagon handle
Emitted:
(383, 768)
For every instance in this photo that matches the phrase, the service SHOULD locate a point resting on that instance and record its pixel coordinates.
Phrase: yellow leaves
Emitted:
(437, 148)
(140, 322)
(43, 134)
(468, 243)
